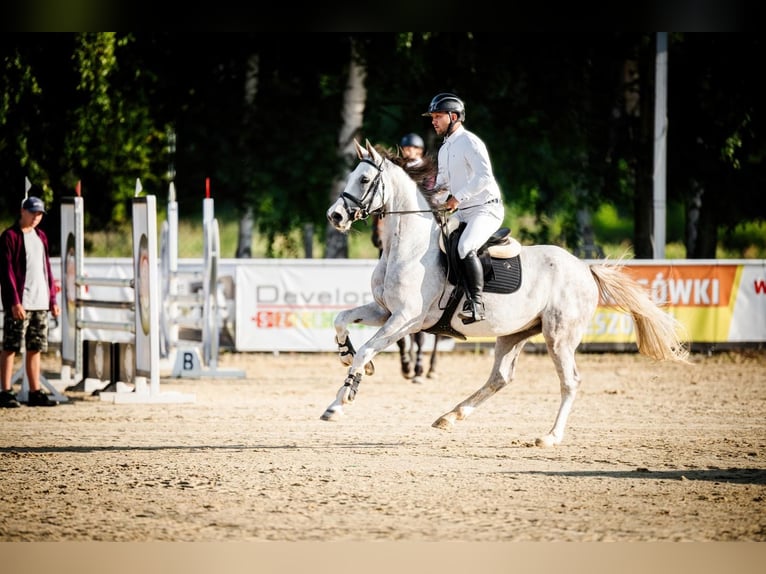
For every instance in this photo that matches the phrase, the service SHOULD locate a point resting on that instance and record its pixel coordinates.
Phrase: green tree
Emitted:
(76, 109)
(113, 140)
(716, 148)
(261, 115)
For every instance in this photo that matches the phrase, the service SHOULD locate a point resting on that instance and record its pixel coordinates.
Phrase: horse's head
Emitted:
(363, 193)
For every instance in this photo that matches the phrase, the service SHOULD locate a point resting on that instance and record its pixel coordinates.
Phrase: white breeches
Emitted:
(481, 222)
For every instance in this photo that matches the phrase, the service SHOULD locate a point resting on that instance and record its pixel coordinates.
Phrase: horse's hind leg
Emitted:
(507, 350)
(404, 358)
(432, 374)
(418, 340)
(563, 356)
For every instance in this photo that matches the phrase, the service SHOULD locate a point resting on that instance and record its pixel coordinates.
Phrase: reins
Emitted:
(378, 185)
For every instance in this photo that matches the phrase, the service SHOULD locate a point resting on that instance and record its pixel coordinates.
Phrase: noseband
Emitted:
(361, 207)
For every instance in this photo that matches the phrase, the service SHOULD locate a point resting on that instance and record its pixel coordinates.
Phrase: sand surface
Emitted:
(653, 452)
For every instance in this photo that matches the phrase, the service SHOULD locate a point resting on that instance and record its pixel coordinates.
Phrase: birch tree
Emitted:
(352, 114)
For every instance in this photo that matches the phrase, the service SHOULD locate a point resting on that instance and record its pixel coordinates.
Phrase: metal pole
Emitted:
(660, 148)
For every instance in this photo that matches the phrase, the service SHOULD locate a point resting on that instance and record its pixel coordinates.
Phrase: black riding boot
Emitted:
(473, 273)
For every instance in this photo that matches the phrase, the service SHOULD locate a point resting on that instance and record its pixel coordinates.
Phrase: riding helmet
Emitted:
(412, 140)
(446, 102)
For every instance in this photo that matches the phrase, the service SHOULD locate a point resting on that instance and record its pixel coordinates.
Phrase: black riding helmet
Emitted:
(412, 140)
(447, 102)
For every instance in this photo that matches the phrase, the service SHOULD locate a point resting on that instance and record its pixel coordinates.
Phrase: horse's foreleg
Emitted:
(346, 394)
(360, 361)
(346, 349)
(370, 314)
(346, 354)
(506, 357)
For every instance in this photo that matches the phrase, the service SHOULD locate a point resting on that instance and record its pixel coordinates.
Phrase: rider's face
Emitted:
(440, 122)
(412, 152)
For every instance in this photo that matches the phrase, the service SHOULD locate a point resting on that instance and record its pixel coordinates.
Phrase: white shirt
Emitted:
(465, 169)
(35, 295)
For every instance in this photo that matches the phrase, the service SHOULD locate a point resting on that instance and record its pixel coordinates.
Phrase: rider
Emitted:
(465, 177)
(412, 147)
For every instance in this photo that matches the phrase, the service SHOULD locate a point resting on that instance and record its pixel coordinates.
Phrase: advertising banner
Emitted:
(715, 301)
(290, 305)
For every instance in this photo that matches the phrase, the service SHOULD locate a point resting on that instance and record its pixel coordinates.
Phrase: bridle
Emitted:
(361, 208)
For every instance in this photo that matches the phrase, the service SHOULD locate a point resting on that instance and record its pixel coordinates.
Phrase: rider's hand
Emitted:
(451, 203)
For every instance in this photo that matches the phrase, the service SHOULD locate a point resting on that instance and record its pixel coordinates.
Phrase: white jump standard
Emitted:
(185, 357)
(144, 326)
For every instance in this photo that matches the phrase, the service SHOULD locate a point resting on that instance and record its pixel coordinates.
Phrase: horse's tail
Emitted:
(658, 334)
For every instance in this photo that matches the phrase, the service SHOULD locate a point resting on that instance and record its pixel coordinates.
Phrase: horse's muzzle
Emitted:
(338, 220)
(338, 216)
(335, 218)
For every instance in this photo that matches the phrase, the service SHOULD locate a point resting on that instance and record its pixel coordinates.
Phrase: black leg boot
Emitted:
(473, 273)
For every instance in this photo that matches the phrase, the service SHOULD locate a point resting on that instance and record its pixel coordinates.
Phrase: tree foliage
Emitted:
(567, 126)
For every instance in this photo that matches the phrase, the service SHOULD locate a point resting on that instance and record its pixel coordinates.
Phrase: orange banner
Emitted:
(688, 285)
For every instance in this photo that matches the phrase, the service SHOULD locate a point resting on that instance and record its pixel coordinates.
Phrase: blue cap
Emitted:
(33, 204)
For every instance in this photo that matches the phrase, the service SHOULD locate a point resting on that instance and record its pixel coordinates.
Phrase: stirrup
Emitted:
(472, 312)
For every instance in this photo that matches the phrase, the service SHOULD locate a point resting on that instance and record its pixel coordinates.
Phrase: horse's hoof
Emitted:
(418, 380)
(442, 423)
(432, 375)
(546, 441)
(332, 413)
(369, 368)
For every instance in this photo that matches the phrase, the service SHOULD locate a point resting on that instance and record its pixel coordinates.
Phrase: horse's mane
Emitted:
(423, 174)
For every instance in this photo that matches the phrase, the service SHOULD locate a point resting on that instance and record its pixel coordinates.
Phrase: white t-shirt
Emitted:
(36, 283)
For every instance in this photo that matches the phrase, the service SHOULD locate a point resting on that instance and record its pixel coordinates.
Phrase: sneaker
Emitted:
(8, 400)
(40, 399)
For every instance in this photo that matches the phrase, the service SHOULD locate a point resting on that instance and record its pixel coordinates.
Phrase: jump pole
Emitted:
(169, 275)
(187, 360)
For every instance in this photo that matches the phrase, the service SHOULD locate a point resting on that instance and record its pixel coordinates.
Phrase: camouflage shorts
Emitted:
(35, 326)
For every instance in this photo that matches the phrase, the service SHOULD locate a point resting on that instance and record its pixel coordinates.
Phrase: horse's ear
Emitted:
(373, 153)
(359, 149)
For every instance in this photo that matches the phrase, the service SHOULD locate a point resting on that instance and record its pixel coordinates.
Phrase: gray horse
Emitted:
(410, 284)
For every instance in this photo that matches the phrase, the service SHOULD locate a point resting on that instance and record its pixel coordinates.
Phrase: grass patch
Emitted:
(613, 234)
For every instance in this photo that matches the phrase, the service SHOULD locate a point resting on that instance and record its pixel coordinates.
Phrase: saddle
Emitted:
(499, 258)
